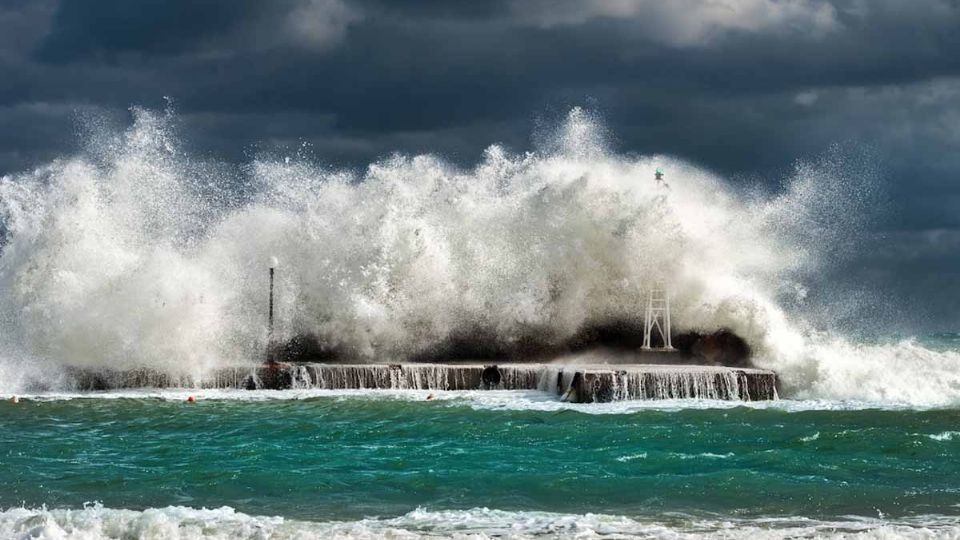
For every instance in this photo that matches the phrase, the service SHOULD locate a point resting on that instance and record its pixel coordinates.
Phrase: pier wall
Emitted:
(579, 383)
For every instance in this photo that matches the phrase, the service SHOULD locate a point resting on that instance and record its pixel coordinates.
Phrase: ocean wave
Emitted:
(133, 254)
(706, 455)
(631, 457)
(492, 400)
(945, 436)
(95, 522)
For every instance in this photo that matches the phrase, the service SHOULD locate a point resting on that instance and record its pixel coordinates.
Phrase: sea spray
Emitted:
(133, 254)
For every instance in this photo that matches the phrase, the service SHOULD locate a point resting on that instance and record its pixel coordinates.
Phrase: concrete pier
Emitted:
(579, 383)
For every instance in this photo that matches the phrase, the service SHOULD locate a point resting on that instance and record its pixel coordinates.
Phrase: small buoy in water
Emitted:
(15, 399)
(191, 399)
(429, 397)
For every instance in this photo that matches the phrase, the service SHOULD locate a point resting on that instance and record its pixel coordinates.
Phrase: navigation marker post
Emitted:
(657, 313)
(273, 265)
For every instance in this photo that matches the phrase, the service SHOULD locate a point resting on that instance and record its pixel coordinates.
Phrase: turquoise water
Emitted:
(944, 341)
(345, 458)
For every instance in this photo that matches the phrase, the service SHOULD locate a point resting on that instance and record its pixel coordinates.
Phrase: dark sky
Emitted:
(744, 87)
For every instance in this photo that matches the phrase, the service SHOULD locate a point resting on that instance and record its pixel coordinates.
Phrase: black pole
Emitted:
(270, 360)
(270, 327)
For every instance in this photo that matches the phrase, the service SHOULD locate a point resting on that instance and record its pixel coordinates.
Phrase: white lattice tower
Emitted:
(657, 313)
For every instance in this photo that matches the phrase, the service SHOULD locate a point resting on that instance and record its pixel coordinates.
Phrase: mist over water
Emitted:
(133, 253)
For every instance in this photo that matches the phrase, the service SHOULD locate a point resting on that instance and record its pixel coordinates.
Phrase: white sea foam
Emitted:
(493, 400)
(95, 522)
(706, 455)
(133, 254)
(945, 436)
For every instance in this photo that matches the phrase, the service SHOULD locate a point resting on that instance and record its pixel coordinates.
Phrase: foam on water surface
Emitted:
(507, 400)
(95, 522)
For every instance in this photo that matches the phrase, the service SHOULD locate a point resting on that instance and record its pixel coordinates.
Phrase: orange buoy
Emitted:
(191, 399)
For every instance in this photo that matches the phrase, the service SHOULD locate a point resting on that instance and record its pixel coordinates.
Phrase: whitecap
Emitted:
(94, 522)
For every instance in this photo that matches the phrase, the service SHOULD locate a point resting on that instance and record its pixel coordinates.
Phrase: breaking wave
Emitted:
(94, 522)
(481, 400)
(133, 253)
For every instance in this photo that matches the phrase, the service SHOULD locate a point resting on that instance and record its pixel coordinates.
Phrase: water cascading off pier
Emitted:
(578, 383)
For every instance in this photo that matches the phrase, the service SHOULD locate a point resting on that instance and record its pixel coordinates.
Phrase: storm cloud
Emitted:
(744, 87)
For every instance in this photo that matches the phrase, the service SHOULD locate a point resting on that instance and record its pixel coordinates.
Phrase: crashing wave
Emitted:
(95, 522)
(132, 255)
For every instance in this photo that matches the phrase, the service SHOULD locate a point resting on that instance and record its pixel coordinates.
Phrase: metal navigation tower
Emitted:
(657, 314)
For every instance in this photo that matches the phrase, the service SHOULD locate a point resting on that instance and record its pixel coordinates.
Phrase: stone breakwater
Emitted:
(579, 383)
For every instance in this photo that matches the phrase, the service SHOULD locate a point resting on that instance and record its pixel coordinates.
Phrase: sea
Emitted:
(495, 464)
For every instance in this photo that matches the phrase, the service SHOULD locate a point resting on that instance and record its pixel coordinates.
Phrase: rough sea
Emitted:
(136, 254)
